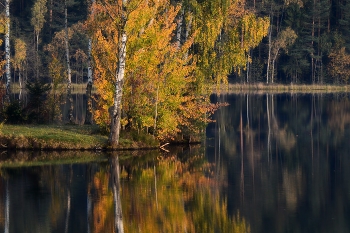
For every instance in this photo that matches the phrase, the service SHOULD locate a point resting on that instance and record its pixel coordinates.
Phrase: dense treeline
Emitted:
(150, 61)
(308, 43)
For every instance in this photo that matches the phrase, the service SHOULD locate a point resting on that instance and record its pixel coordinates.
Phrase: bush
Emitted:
(14, 113)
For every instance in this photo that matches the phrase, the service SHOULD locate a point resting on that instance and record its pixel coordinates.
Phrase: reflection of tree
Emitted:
(177, 194)
(292, 173)
(293, 185)
(102, 206)
(118, 214)
(339, 114)
(209, 214)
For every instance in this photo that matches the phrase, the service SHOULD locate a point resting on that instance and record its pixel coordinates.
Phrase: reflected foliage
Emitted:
(285, 157)
(173, 192)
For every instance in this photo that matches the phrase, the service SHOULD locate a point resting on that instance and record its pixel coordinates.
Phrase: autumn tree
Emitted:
(38, 19)
(339, 66)
(284, 39)
(88, 115)
(169, 60)
(19, 58)
(226, 33)
(7, 48)
(159, 73)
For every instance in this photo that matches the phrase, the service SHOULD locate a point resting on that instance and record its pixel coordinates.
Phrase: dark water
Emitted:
(271, 163)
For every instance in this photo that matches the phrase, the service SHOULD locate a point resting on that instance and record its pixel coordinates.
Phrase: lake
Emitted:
(270, 163)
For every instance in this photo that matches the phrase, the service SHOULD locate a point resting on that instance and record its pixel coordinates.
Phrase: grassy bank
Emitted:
(279, 88)
(66, 137)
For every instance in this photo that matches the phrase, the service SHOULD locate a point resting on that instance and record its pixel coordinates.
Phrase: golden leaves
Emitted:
(339, 65)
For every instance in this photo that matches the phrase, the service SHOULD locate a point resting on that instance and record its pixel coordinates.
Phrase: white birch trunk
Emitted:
(69, 73)
(269, 56)
(89, 61)
(88, 115)
(273, 70)
(248, 66)
(179, 29)
(187, 33)
(156, 110)
(116, 114)
(20, 78)
(7, 47)
(90, 52)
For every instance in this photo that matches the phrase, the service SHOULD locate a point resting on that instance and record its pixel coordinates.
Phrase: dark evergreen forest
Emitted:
(319, 53)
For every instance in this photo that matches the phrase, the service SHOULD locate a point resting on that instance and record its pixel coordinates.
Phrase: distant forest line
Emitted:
(317, 53)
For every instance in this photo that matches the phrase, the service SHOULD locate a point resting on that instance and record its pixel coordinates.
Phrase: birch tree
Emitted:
(37, 21)
(38, 18)
(119, 78)
(88, 115)
(7, 48)
(108, 24)
(284, 39)
(69, 72)
(19, 58)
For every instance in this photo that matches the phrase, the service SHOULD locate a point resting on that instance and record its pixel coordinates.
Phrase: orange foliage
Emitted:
(159, 91)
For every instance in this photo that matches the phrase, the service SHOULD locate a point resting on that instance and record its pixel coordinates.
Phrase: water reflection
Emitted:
(285, 158)
(271, 163)
(147, 192)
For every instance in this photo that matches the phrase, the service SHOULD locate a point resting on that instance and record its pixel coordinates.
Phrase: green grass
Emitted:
(76, 88)
(52, 137)
(67, 137)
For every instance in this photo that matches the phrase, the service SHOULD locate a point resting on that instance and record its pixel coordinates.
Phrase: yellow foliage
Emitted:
(339, 65)
(163, 85)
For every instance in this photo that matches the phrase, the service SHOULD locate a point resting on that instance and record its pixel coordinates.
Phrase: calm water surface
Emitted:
(270, 163)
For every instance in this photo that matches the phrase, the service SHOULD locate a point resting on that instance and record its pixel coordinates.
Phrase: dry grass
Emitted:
(76, 88)
(260, 88)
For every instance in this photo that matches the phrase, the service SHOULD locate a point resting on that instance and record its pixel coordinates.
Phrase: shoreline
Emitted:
(275, 88)
(75, 138)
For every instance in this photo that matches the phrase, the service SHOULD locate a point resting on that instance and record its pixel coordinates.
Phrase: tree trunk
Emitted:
(179, 29)
(118, 217)
(187, 32)
(269, 56)
(116, 114)
(312, 45)
(273, 66)
(37, 53)
(7, 48)
(156, 110)
(69, 73)
(88, 115)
